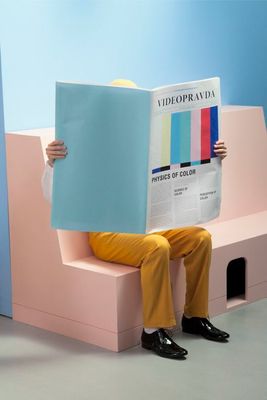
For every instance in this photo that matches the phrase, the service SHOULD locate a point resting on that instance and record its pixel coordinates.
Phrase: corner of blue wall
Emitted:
(5, 272)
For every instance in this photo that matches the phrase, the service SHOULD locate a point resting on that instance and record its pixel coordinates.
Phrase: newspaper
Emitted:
(184, 185)
(139, 160)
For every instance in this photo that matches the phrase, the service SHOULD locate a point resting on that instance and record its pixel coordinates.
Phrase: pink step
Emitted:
(60, 286)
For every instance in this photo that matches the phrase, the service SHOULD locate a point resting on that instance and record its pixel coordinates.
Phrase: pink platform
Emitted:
(60, 286)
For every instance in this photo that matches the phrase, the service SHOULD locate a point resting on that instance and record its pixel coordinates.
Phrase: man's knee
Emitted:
(158, 243)
(202, 236)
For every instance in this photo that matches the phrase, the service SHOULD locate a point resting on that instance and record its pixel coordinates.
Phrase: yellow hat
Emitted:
(123, 82)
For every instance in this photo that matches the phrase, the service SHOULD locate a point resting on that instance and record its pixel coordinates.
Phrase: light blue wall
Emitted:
(5, 279)
(152, 42)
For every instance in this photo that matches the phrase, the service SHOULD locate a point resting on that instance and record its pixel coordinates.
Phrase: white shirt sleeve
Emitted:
(47, 182)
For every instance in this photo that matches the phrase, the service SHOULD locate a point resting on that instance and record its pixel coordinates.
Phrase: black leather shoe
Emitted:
(203, 327)
(163, 345)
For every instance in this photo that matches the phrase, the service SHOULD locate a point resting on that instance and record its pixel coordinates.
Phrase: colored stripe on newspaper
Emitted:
(187, 138)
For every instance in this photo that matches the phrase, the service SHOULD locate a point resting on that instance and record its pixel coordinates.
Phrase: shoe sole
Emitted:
(221, 340)
(147, 347)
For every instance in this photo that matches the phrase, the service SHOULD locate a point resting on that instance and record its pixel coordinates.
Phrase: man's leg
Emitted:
(194, 245)
(151, 253)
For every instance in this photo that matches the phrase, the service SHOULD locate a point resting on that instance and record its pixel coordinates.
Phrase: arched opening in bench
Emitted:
(236, 282)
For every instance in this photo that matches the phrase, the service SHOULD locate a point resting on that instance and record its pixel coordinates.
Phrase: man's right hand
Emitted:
(55, 150)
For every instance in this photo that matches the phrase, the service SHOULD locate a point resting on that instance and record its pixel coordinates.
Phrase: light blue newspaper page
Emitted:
(102, 183)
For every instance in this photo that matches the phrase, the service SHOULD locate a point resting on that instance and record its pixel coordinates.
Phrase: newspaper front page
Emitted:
(184, 179)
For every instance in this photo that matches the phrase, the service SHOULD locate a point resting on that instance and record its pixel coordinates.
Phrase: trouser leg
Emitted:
(194, 244)
(151, 253)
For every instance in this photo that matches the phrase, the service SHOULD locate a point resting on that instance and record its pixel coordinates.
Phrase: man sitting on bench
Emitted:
(152, 253)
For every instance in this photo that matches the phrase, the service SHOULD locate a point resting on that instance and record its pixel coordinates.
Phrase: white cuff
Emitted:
(47, 182)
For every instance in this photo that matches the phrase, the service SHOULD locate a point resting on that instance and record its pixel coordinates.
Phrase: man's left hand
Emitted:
(220, 149)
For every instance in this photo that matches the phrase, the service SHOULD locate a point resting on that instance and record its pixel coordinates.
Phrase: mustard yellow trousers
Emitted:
(152, 253)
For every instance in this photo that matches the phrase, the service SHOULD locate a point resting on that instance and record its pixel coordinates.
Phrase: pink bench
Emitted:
(60, 286)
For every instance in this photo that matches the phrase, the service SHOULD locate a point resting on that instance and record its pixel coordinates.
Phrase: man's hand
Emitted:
(220, 149)
(55, 150)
